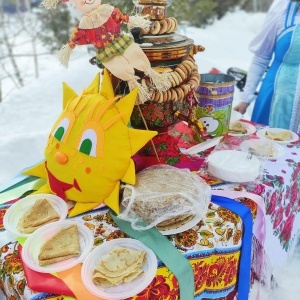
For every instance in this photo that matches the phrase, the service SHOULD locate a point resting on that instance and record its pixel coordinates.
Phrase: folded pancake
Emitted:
(237, 127)
(106, 281)
(264, 149)
(121, 265)
(38, 215)
(61, 246)
(283, 135)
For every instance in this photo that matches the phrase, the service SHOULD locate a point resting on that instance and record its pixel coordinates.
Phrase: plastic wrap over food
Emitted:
(164, 196)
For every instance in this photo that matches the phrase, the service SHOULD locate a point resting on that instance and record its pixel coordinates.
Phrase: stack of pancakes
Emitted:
(120, 265)
(165, 197)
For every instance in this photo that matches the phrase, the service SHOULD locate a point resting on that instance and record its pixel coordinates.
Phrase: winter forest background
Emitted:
(29, 32)
(31, 76)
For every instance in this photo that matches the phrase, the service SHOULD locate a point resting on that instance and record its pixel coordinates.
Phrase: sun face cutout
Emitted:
(90, 147)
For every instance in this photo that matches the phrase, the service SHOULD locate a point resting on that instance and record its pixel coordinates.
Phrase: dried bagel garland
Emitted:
(164, 26)
(183, 77)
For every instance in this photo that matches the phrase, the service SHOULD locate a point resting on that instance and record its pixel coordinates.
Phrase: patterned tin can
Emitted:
(215, 97)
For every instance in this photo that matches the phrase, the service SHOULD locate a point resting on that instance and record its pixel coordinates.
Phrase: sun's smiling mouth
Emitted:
(60, 187)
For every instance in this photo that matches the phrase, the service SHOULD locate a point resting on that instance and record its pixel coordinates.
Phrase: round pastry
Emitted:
(172, 80)
(161, 97)
(157, 96)
(155, 27)
(176, 23)
(169, 22)
(189, 65)
(173, 25)
(183, 68)
(174, 96)
(165, 96)
(176, 78)
(179, 93)
(169, 95)
(181, 74)
(163, 26)
(185, 89)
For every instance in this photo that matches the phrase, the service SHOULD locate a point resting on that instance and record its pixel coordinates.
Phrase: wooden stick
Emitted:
(145, 123)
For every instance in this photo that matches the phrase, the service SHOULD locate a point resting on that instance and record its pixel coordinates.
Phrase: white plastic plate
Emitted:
(16, 211)
(250, 130)
(124, 290)
(33, 245)
(262, 135)
(277, 149)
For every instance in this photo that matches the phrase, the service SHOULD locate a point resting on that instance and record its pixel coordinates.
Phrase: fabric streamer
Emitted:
(245, 259)
(70, 276)
(180, 266)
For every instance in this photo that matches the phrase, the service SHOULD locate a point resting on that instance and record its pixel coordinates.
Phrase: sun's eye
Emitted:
(61, 129)
(88, 142)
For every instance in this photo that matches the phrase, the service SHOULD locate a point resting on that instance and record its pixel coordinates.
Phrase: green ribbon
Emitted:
(166, 252)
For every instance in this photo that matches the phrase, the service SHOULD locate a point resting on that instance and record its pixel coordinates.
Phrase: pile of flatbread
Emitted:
(61, 246)
(38, 215)
(283, 135)
(120, 265)
(237, 128)
(165, 197)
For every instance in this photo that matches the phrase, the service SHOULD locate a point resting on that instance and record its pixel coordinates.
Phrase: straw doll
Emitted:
(100, 26)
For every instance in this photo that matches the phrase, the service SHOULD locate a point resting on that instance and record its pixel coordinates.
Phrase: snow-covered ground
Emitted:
(27, 114)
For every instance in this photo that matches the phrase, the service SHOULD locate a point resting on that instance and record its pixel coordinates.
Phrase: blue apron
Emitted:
(282, 108)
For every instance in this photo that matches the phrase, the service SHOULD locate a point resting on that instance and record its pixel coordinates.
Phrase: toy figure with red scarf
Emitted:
(100, 26)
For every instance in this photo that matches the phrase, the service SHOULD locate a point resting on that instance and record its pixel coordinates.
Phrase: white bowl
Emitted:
(233, 166)
(33, 245)
(16, 211)
(124, 290)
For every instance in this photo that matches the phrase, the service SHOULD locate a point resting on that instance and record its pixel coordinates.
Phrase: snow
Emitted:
(27, 114)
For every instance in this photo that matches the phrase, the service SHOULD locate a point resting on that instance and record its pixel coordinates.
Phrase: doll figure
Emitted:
(100, 26)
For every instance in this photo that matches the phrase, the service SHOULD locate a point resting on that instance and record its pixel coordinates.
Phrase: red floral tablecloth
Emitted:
(212, 247)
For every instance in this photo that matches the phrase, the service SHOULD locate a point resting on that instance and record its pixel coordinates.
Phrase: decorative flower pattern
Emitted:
(157, 115)
(279, 185)
(3, 210)
(213, 272)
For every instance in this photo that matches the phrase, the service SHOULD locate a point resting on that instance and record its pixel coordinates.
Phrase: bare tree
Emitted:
(17, 30)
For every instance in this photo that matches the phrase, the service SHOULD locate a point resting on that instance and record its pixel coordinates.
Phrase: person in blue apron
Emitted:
(278, 100)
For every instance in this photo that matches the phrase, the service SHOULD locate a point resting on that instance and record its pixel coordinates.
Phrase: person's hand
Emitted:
(241, 107)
